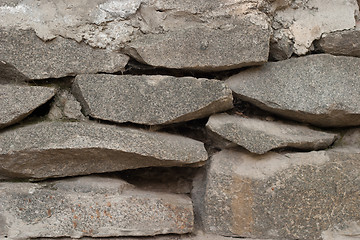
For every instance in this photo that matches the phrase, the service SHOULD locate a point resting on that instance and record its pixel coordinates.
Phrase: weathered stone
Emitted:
(222, 35)
(31, 210)
(9, 74)
(150, 99)
(99, 23)
(341, 43)
(319, 89)
(57, 149)
(347, 232)
(17, 102)
(259, 136)
(243, 44)
(302, 22)
(65, 106)
(91, 184)
(56, 58)
(350, 139)
(290, 196)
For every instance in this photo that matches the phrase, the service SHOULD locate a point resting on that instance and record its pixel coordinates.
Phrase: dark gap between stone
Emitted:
(137, 68)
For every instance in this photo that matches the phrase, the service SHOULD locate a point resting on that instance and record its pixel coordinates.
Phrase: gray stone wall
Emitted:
(192, 120)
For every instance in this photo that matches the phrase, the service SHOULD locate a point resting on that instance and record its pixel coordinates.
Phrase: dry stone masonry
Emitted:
(150, 100)
(180, 120)
(259, 136)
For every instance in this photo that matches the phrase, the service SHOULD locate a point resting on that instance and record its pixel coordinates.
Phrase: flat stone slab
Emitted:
(17, 102)
(9, 74)
(58, 149)
(57, 58)
(290, 196)
(150, 100)
(32, 210)
(341, 43)
(259, 136)
(322, 89)
(246, 43)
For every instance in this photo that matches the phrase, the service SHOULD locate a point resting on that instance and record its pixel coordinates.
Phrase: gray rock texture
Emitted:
(322, 90)
(65, 106)
(58, 149)
(31, 210)
(9, 74)
(244, 44)
(56, 58)
(350, 139)
(260, 136)
(150, 99)
(290, 196)
(17, 102)
(217, 35)
(341, 43)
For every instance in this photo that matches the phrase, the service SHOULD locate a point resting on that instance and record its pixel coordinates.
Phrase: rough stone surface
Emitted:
(91, 184)
(319, 89)
(31, 210)
(341, 43)
(259, 136)
(290, 196)
(197, 236)
(17, 102)
(243, 44)
(65, 106)
(57, 149)
(150, 99)
(56, 58)
(350, 139)
(297, 24)
(9, 74)
(154, 31)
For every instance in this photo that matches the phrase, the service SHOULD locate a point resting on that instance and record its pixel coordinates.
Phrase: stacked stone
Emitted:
(278, 154)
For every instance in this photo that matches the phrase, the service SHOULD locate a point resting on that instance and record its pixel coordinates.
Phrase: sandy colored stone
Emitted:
(17, 102)
(341, 43)
(150, 100)
(56, 58)
(58, 149)
(32, 210)
(322, 89)
(302, 22)
(260, 136)
(281, 196)
(349, 139)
